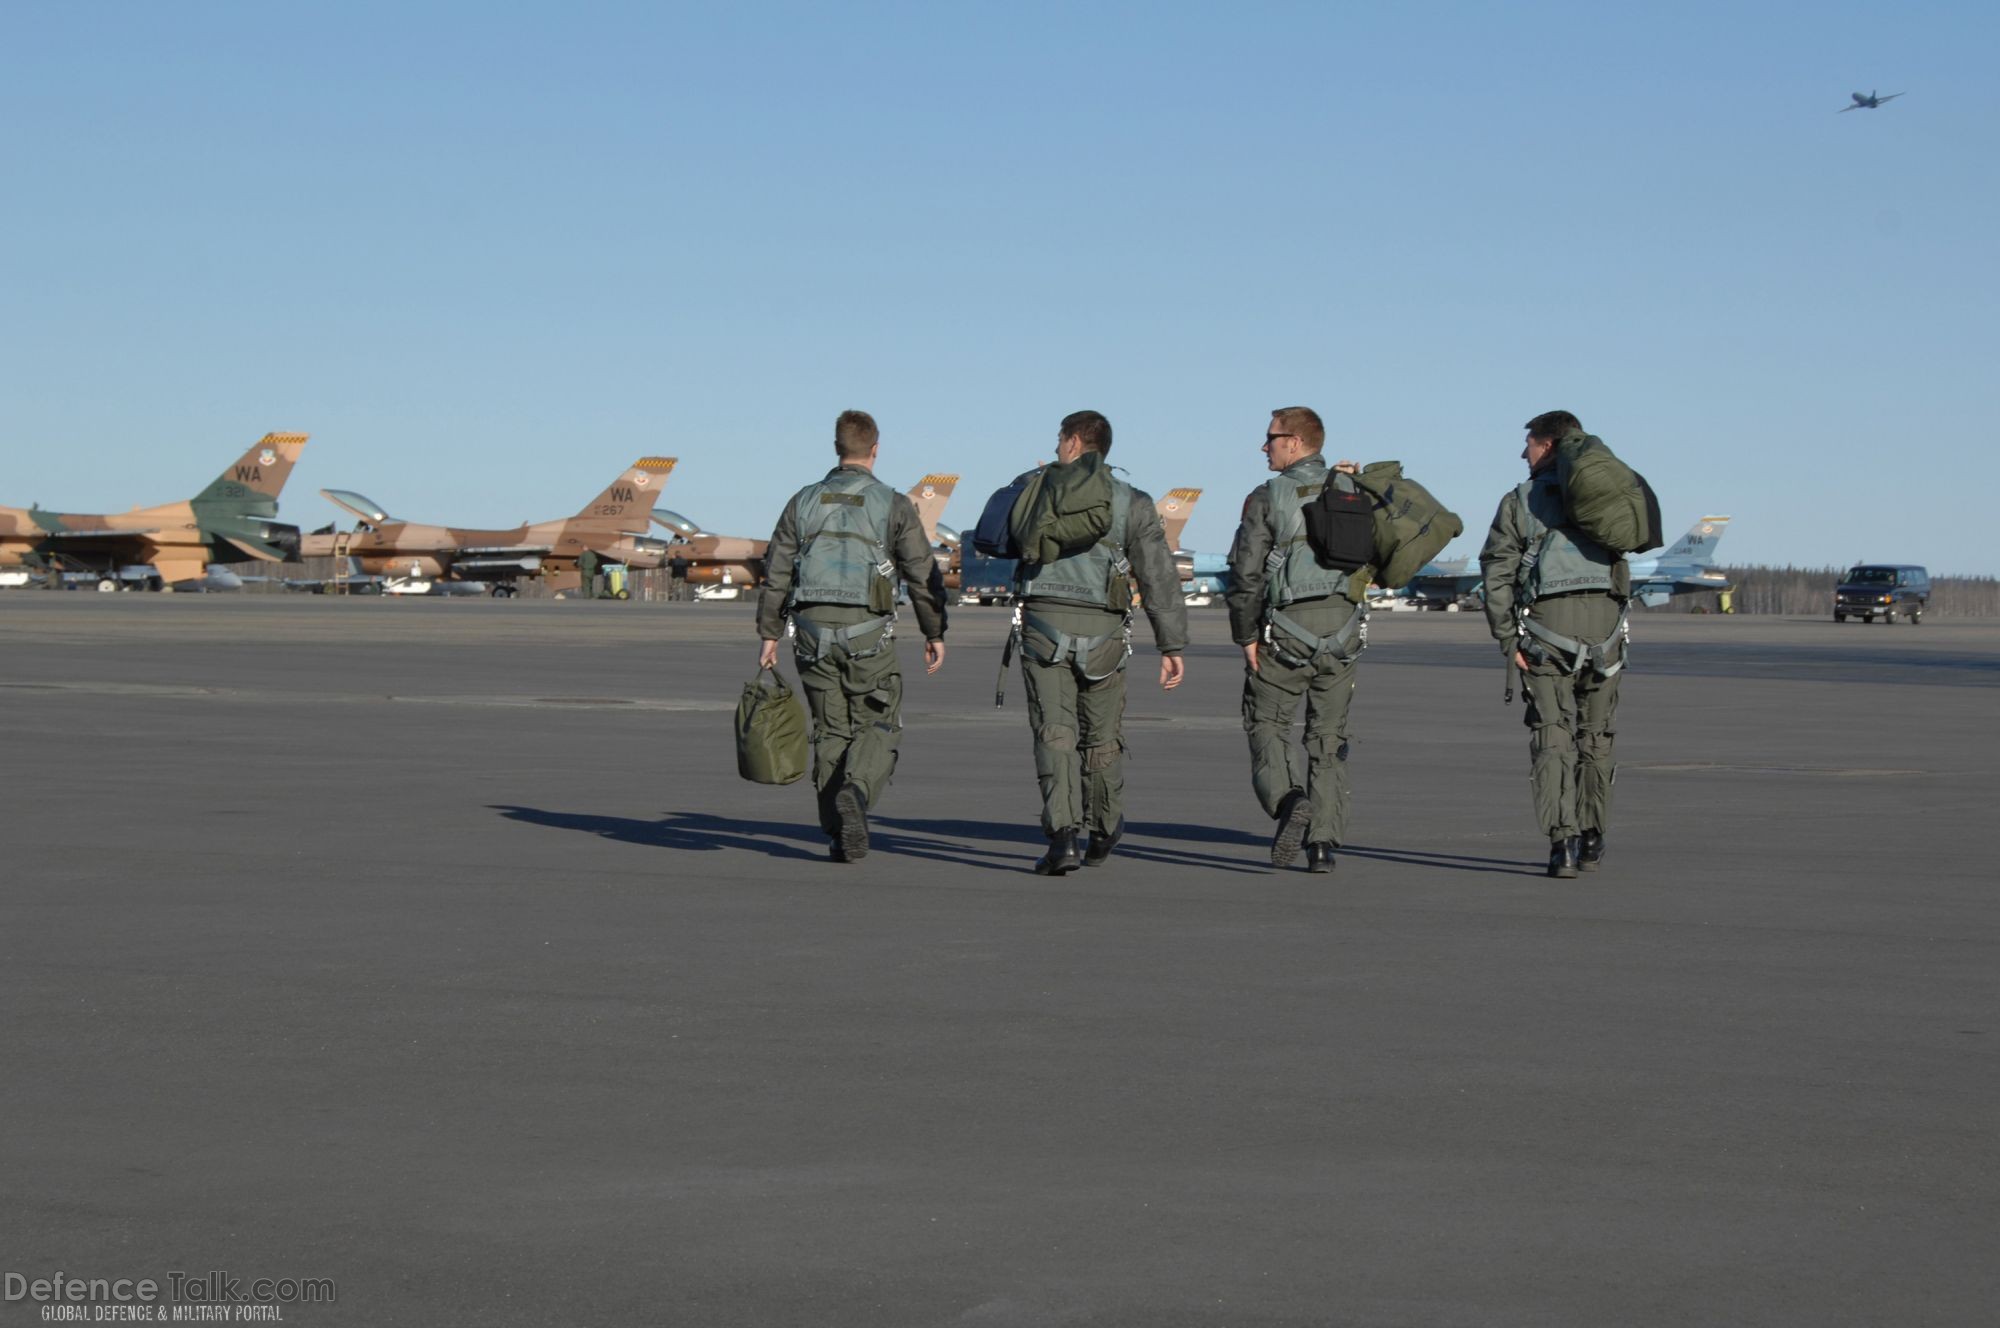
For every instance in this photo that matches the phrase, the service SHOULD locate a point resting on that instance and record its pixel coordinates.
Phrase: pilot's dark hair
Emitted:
(1088, 428)
(854, 433)
(1303, 421)
(1553, 424)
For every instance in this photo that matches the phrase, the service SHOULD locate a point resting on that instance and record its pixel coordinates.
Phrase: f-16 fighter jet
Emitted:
(611, 526)
(228, 522)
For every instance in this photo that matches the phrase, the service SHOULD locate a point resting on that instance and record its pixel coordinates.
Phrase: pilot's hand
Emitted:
(1250, 655)
(1520, 661)
(767, 655)
(1171, 672)
(933, 656)
(1348, 467)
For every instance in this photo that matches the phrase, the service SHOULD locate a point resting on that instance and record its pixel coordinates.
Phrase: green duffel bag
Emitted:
(1065, 510)
(1606, 499)
(1411, 526)
(772, 742)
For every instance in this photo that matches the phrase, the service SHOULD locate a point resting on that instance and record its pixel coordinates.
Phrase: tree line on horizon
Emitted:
(1809, 590)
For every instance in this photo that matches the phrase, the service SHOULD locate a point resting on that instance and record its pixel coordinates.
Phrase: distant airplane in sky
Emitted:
(1868, 101)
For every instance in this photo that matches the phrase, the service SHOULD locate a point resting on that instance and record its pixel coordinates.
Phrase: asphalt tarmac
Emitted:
(435, 948)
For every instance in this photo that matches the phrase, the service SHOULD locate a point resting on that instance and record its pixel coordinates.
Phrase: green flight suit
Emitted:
(1076, 710)
(1571, 715)
(856, 701)
(1271, 695)
(853, 685)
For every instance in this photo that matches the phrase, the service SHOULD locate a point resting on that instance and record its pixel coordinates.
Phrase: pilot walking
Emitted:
(1301, 635)
(1075, 621)
(835, 558)
(1555, 600)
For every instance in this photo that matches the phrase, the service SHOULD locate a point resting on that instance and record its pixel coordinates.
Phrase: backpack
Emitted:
(1340, 527)
(1411, 526)
(993, 537)
(1064, 510)
(771, 742)
(1605, 498)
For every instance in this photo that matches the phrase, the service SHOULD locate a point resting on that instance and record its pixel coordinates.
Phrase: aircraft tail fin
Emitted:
(929, 495)
(1175, 509)
(259, 475)
(1698, 546)
(626, 505)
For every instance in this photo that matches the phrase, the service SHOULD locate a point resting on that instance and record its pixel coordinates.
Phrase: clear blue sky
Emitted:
(486, 254)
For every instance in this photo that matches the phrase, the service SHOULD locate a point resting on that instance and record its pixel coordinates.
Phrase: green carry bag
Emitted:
(1065, 510)
(1605, 498)
(1411, 526)
(772, 743)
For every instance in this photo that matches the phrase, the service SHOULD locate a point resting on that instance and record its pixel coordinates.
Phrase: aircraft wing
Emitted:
(512, 559)
(1447, 580)
(1657, 590)
(74, 537)
(1851, 106)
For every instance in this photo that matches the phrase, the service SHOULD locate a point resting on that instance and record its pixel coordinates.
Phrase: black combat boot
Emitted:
(1294, 816)
(1062, 857)
(1562, 858)
(1590, 850)
(852, 809)
(1319, 858)
(1102, 843)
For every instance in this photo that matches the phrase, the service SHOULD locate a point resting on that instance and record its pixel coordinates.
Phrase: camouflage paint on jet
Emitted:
(612, 526)
(230, 521)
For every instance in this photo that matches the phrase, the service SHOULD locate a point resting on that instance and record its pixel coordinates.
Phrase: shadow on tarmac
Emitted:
(1030, 838)
(1015, 847)
(1416, 857)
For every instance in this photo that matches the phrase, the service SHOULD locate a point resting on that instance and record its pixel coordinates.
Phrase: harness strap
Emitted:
(820, 640)
(1582, 653)
(1078, 649)
(1007, 653)
(1354, 632)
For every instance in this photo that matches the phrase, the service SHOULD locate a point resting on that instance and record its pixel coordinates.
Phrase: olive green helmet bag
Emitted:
(1605, 498)
(772, 742)
(1411, 526)
(1065, 509)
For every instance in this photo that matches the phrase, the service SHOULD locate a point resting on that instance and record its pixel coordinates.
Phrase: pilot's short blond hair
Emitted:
(1303, 422)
